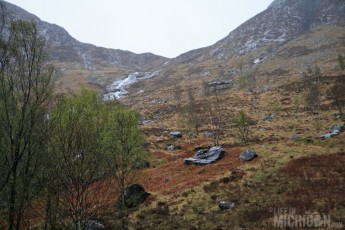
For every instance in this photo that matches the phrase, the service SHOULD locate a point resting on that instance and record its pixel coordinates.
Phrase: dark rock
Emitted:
(132, 196)
(88, 225)
(92, 225)
(206, 156)
(226, 205)
(176, 134)
(140, 164)
(268, 117)
(248, 155)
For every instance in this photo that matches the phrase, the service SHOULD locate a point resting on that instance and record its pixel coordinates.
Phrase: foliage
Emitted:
(124, 143)
(26, 89)
(77, 157)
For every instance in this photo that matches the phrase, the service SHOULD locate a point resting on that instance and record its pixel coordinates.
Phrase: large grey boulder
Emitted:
(132, 196)
(248, 155)
(206, 156)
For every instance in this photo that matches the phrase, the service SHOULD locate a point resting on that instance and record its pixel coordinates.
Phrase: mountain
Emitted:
(281, 42)
(282, 21)
(71, 54)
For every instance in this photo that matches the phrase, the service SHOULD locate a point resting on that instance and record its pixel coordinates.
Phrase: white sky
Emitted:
(163, 27)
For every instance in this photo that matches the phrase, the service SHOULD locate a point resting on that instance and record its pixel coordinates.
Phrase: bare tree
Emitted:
(241, 123)
(312, 99)
(177, 94)
(212, 108)
(337, 94)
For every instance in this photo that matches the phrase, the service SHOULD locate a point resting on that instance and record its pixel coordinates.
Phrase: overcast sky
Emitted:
(163, 27)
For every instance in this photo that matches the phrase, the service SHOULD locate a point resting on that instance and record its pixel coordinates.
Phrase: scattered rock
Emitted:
(336, 129)
(89, 225)
(336, 116)
(248, 155)
(216, 83)
(268, 117)
(132, 196)
(171, 147)
(333, 131)
(93, 225)
(176, 134)
(209, 134)
(226, 205)
(206, 156)
(295, 137)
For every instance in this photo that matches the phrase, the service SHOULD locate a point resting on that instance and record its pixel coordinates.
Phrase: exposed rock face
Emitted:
(283, 20)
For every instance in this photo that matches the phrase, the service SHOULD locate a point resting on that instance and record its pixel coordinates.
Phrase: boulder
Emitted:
(206, 156)
(176, 134)
(132, 196)
(248, 155)
(226, 205)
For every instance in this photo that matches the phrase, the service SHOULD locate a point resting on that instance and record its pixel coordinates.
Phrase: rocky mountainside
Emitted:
(281, 42)
(282, 21)
(65, 49)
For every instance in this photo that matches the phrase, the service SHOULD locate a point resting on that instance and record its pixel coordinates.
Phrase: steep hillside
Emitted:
(280, 41)
(90, 63)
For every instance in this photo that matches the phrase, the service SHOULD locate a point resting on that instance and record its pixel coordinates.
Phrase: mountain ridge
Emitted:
(259, 40)
(64, 48)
